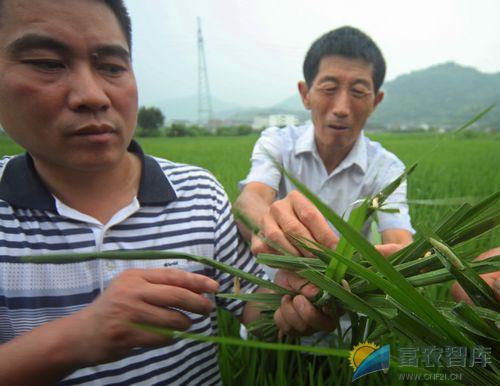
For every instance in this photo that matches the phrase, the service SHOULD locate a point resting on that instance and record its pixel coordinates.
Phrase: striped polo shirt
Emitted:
(178, 208)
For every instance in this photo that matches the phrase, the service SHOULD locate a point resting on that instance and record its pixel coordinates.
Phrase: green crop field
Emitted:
(458, 169)
(461, 167)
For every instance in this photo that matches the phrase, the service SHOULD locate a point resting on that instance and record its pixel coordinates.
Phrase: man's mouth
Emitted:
(338, 127)
(95, 130)
(96, 134)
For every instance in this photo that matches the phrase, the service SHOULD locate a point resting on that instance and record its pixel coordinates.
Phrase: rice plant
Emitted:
(381, 296)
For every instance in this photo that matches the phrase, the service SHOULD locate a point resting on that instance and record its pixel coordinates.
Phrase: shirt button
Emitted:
(110, 265)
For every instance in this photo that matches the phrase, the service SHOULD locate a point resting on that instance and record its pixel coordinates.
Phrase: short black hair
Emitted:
(120, 10)
(348, 42)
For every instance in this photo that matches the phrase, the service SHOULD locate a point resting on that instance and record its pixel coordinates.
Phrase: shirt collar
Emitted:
(22, 187)
(305, 142)
(357, 155)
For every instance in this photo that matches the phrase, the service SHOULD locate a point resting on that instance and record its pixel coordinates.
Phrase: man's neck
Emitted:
(99, 194)
(332, 159)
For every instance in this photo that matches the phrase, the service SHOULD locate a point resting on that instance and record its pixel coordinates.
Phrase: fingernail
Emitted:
(301, 303)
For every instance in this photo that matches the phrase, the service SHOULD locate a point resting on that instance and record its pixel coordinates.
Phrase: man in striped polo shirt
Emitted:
(68, 96)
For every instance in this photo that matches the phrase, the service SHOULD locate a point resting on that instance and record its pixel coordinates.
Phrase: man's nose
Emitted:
(87, 91)
(341, 104)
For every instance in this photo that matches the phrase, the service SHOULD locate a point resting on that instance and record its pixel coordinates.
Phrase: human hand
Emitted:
(387, 250)
(296, 215)
(492, 279)
(149, 296)
(298, 316)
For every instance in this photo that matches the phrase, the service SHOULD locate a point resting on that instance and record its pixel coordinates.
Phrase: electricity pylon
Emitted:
(205, 112)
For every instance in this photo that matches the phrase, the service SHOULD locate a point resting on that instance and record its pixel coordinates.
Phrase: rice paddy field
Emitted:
(461, 168)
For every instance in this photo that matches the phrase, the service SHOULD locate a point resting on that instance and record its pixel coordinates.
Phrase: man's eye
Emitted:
(329, 90)
(45, 65)
(357, 93)
(111, 68)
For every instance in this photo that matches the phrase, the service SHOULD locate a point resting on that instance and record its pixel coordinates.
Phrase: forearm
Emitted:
(42, 356)
(254, 202)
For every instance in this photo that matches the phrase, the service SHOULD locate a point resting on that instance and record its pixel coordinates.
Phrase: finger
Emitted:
(289, 224)
(283, 326)
(489, 253)
(460, 294)
(388, 249)
(293, 318)
(293, 282)
(179, 278)
(314, 319)
(161, 317)
(313, 220)
(170, 296)
(272, 231)
(259, 246)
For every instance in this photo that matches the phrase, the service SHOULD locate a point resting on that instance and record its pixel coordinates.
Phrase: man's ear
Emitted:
(304, 94)
(378, 98)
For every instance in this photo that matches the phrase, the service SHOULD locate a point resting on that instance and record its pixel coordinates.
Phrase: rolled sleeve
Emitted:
(263, 170)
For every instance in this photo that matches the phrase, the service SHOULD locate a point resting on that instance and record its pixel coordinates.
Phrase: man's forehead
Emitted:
(90, 19)
(355, 67)
(22, 11)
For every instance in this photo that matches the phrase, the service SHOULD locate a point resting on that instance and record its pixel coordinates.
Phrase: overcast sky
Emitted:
(255, 48)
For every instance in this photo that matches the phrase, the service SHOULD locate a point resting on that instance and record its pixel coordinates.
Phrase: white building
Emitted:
(261, 122)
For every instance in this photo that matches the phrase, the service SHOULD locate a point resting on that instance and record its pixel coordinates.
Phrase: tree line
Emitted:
(151, 123)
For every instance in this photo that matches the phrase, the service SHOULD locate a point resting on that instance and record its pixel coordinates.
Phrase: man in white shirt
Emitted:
(343, 71)
(68, 96)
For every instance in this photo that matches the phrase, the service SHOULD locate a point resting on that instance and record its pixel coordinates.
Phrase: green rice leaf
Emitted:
(480, 293)
(63, 258)
(243, 343)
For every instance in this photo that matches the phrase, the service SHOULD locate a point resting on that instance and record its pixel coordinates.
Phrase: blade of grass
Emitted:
(480, 292)
(62, 258)
(243, 343)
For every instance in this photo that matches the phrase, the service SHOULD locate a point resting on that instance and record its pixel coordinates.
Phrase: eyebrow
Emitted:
(112, 50)
(36, 41)
(336, 80)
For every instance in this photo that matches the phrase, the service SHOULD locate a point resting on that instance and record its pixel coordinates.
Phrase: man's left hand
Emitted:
(298, 316)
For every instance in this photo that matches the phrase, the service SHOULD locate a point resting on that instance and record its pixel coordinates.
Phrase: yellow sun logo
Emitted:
(358, 354)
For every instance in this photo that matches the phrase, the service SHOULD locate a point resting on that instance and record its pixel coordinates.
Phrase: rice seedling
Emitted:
(391, 301)
(380, 294)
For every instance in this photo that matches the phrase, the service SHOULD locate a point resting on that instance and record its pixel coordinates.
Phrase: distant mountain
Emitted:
(187, 107)
(294, 103)
(443, 95)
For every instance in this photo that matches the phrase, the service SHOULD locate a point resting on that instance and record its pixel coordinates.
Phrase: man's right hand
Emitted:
(150, 296)
(103, 331)
(295, 215)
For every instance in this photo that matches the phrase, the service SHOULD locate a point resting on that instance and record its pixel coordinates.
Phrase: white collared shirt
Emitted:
(366, 170)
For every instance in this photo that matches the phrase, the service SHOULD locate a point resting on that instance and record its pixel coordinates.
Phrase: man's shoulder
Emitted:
(185, 176)
(289, 132)
(4, 160)
(379, 155)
